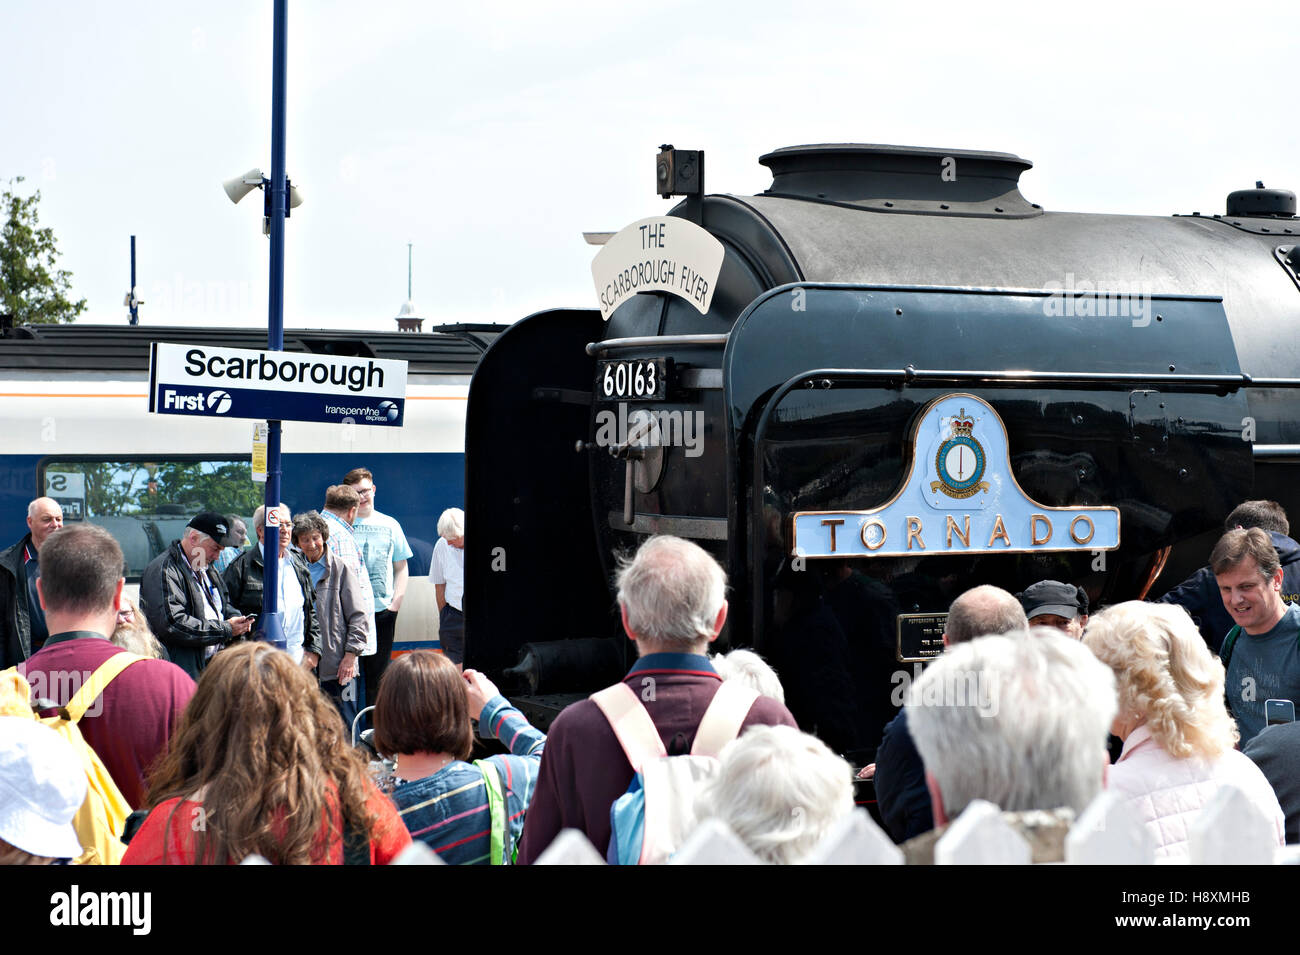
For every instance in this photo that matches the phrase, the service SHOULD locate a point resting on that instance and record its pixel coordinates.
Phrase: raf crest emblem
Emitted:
(960, 461)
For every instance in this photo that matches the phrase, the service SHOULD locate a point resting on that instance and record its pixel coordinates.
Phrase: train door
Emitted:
(533, 569)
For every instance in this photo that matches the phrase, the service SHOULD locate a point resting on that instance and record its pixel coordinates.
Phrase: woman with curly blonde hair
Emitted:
(261, 764)
(1178, 735)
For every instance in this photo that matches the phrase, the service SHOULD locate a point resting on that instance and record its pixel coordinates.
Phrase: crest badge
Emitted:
(958, 495)
(960, 461)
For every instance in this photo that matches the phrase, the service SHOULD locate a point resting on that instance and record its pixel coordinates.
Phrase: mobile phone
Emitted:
(1279, 711)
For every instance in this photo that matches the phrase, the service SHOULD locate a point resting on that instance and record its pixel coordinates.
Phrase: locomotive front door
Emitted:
(532, 570)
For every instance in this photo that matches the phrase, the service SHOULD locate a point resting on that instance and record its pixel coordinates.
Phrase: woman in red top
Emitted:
(261, 764)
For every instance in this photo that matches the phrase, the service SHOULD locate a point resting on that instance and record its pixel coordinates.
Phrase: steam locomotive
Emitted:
(887, 378)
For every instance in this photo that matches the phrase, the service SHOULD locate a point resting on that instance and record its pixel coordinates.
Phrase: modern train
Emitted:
(888, 377)
(75, 414)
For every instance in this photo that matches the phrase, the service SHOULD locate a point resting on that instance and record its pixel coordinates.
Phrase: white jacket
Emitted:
(1166, 793)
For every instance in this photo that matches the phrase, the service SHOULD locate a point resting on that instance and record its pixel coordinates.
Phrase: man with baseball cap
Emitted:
(1050, 603)
(184, 598)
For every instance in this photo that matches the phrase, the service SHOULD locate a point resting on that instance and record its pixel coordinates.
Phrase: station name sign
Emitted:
(212, 381)
(960, 496)
(660, 254)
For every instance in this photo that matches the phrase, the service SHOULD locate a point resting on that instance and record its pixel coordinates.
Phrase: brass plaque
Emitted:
(920, 636)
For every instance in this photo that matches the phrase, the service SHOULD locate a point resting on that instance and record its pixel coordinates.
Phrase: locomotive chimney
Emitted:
(903, 179)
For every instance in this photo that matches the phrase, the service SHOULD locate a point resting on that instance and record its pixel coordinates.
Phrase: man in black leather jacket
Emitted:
(185, 601)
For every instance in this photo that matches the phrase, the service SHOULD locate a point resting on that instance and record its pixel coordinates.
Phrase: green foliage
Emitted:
(226, 488)
(110, 488)
(31, 289)
(120, 488)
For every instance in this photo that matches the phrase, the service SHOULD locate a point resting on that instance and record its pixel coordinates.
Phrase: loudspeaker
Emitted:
(241, 186)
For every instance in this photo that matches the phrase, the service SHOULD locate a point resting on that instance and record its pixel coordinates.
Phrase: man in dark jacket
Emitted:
(184, 599)
(1199, 593)
(243, 580)
(901, 793)
(22, 624)
(1276, 751)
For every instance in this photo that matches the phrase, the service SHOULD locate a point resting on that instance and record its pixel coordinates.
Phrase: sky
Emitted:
(492, 135)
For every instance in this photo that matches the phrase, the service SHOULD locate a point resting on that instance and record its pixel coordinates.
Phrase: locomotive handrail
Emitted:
(1275, 450)
(1252, 382)
(596, 348)
(909, 374)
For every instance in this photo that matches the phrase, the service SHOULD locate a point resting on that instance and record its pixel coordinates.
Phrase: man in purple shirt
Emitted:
(672, 598)
(131, 722)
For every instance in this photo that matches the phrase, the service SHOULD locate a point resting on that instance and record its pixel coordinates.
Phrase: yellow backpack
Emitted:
(101, 817)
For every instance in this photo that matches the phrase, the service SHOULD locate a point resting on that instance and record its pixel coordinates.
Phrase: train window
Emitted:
(146, 503)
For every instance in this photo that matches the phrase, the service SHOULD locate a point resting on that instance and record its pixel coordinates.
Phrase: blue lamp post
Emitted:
(278, 196)
(277, 201)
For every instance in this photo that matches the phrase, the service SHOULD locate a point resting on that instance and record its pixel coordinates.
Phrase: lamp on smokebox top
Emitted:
(680, 172)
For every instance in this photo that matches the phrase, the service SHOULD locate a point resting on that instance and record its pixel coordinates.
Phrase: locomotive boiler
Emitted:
(887, 378)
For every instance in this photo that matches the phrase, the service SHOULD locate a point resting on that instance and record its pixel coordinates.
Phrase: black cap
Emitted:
(1054, 597)
(211, 523)
(238, 530)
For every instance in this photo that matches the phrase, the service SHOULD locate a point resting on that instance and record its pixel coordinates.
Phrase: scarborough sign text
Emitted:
(286, 386)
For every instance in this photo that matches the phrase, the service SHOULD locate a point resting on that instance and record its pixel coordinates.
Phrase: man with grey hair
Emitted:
(672, 599)
(447, 574)
(1019, 720)
(901, 794)
(22, 621)
(184, 599)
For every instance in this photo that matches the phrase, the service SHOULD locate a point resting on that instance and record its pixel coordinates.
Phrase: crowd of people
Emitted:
(212, 746)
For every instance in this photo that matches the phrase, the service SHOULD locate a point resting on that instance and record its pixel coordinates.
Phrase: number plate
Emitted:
(642, 379)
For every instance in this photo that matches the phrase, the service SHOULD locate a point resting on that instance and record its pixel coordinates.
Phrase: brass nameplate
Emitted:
(920, 636)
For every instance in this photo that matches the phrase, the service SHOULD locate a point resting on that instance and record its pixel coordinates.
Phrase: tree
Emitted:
(31, 289)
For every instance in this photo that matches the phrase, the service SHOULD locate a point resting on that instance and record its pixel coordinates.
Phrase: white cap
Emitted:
(42, 785)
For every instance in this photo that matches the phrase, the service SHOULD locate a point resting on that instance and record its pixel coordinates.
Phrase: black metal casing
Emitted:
(865, 282)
